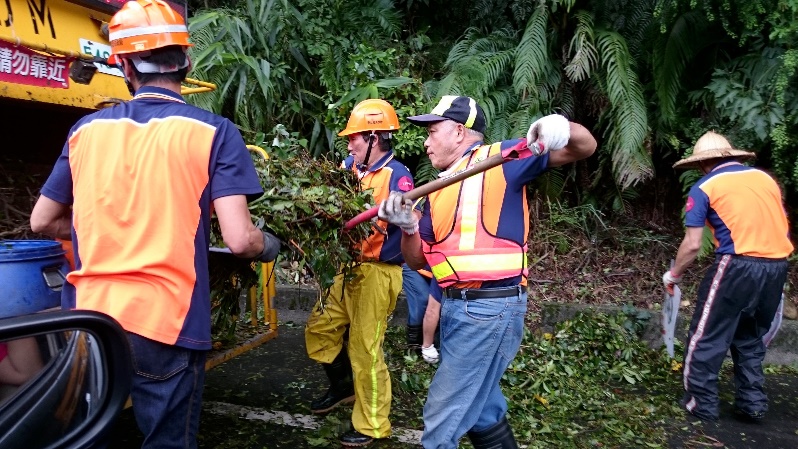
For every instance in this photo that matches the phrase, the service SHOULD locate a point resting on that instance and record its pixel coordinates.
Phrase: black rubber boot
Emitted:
(342, 389)
(353, 438)
(500, 436)
(415, 337)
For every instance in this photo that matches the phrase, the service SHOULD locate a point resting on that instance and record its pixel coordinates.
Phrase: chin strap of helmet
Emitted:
(127, 81)
(370, 139)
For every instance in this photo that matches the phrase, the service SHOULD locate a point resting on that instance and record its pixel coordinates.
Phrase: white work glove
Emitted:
(551, 132)
(669, 280)
(430, 354)
(399, 211)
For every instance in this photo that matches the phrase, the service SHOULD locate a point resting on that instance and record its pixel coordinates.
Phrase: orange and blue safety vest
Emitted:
(743, 207)
(474, 232)
(385, 176)
(141, 177)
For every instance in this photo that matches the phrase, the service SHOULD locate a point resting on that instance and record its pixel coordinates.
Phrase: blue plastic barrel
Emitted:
(31, 276)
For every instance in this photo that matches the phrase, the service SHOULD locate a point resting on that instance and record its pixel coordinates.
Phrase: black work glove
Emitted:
(271, 246)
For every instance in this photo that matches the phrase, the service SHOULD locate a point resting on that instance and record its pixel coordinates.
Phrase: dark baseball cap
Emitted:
(463, 110)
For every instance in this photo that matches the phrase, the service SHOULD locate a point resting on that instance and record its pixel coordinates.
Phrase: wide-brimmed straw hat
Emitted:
(711, 146)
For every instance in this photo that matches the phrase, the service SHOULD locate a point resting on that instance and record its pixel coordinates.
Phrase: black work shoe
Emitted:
(333, 398)
(742, 415)
(706, 419)
(353, 438)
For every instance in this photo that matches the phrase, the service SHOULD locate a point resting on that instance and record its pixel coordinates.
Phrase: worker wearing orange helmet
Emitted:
(142, 178)
(357, 370)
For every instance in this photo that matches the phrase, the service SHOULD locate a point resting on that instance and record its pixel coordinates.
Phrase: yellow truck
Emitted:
(54, 52)
(53, 71)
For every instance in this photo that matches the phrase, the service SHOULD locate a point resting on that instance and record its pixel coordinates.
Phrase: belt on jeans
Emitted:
(481, 293)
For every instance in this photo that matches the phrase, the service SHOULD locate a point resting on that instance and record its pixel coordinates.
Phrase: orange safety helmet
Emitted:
(371, 115)
(144, 25)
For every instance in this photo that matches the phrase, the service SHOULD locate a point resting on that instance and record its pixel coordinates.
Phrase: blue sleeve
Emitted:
(232, 170)
(527, 169)
(435, 290)
(401, 179)
(425, 224)
(697, 208)
(348, 162)
(58, 186)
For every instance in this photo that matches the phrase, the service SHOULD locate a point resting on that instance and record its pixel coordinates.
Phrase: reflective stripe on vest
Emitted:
(468, 252)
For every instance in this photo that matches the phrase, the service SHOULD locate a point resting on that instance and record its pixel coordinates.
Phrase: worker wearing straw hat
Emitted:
(740, 292)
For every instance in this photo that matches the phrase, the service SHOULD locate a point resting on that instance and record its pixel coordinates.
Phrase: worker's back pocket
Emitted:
(485, 309)
(156, 360)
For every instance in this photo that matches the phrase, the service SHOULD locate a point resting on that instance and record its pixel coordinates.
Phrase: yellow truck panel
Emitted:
(40, 40)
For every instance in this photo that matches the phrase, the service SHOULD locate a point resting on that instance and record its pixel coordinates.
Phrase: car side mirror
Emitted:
(64, 377)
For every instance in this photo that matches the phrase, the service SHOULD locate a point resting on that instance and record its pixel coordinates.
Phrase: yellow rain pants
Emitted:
(364, 304)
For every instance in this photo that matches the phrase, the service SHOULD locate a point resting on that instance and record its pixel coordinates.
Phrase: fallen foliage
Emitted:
(590, 383)
(305, 203)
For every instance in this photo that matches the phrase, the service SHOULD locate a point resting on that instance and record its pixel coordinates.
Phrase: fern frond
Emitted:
(425, 172)
(500, 129)
(631, 162)
(532, 53)
(478, 63)
(685, 38)
(640, 14)
(462, 48)
(567, 101)
(552, 183)
(497, 102)
(377, 18)
(584, 58)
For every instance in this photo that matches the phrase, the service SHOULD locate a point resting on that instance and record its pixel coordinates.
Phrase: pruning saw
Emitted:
(670, 311)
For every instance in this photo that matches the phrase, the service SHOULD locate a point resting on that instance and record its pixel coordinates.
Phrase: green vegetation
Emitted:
(590, 382)
(647, 77)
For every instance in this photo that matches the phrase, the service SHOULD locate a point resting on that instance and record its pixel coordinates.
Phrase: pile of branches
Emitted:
(305, 204)
(18, 193)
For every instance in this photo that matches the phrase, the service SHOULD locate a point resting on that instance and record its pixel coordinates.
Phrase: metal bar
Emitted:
(52, 50)
(433, 186)
(253, 306)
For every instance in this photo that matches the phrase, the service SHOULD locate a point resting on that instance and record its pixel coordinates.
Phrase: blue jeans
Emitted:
(416, 289)
(166, 392)
(479, 339)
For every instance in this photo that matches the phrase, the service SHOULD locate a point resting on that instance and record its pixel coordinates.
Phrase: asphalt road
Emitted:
(260, 400)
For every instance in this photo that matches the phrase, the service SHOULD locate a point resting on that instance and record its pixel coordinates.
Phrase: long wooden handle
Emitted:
(437, 184)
